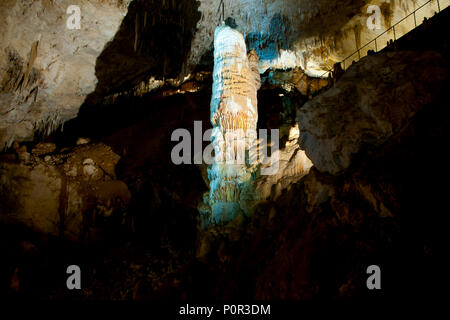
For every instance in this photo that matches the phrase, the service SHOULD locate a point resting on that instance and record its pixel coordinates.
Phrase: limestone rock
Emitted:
(297, 78)
(360, 113)
(322, 32)
(31, 195)
(48, 71)
(90, 169)
(59, 195)
(23, 155)
(94, 157)
(293, 165)
(305, 84)
(277, 26)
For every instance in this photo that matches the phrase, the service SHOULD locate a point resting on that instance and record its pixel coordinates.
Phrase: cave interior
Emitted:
(88, 177)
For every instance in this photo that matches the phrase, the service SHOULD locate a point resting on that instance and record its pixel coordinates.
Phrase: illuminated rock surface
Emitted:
(114, 202)
(162, 42)
(234, 115)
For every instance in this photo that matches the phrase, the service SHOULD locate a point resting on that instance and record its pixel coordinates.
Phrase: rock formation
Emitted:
(311, 34)
(371, 109)
(234, 115)
(359, 170)
(47, 70)
(369, 197)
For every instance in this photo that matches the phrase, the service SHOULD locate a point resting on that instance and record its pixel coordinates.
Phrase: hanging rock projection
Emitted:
(234, 116)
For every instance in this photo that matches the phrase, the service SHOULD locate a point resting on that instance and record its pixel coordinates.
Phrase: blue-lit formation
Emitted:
(234, 115)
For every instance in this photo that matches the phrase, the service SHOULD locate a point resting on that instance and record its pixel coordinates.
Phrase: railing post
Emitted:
(415, 20)
(376, 47)
(393, 28)
(439, 6)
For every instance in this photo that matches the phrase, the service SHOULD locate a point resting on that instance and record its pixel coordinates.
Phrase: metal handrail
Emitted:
(358, 51)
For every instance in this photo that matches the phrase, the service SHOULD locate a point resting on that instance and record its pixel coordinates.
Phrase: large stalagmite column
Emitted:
(234, 116)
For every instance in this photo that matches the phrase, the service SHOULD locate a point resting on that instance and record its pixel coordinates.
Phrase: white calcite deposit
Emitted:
(234, 115)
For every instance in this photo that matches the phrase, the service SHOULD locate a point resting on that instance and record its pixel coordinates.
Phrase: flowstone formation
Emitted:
(234, 116)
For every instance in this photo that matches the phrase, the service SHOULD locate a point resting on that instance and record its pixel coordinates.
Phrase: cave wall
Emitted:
(153, 41)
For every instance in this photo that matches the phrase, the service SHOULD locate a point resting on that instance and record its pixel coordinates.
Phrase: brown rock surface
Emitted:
(61, 194)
